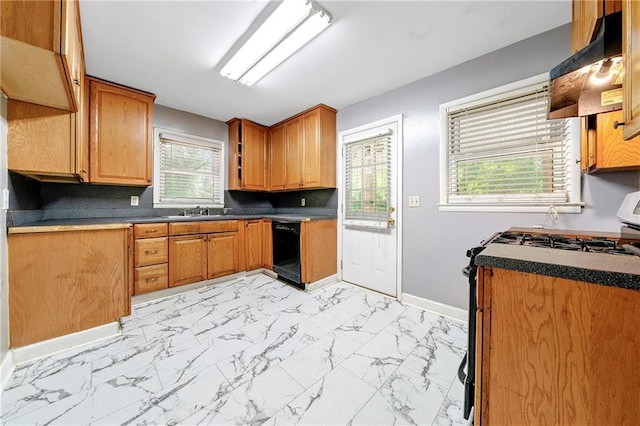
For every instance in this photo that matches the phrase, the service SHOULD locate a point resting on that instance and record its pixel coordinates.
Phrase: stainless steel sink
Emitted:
(193, 217)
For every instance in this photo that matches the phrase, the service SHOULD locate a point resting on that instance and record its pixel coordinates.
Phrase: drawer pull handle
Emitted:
(150, 251)
(150, 231)
(617, 124)
(149, 280)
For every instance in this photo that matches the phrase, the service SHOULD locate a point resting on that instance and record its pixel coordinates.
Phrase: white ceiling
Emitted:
(173, 49)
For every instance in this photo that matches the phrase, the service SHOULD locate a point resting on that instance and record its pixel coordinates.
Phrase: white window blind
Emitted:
(367, 174)
(503, 151)
(190, 171)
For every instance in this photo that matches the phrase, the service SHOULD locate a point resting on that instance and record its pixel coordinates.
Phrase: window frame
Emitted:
(515, 204)
(197, 141)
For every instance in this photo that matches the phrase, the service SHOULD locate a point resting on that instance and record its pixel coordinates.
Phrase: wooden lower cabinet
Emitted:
(151, 278)
(553, 351)
(222, 254)
(187, 259)
(319, 249)
(267, 244)
(253, 244)
(66, 281)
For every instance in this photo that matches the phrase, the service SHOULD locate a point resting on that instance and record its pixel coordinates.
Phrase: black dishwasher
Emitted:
(286, 251)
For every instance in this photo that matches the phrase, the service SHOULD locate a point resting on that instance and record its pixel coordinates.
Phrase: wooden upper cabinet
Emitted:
(247, 156)
(310, 150)
(293, 155)
(585, 17)
(631, 55)
(49, 144)
(277, 158)
(120, 134)
(41, 52)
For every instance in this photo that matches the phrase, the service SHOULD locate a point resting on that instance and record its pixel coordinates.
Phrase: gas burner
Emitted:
(565, 243)
(508, 238)
(598, 245)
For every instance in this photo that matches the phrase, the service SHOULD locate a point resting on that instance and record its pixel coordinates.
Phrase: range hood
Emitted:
(590, 81)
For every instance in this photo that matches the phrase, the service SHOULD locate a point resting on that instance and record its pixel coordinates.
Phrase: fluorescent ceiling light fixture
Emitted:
(292, 25)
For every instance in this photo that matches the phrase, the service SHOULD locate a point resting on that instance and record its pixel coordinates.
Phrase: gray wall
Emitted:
(434, 242)
(4, 270)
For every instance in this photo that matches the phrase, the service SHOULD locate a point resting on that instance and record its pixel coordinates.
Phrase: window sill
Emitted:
(502, 208)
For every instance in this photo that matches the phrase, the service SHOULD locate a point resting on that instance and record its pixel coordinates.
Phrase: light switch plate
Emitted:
(414, 201)
(303, 202)
(135, 200)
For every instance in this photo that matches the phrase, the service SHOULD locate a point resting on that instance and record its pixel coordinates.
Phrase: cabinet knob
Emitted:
(76, 82)
(617, 124)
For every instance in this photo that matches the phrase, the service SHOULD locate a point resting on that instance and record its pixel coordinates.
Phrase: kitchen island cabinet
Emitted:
(120, 134)
(66, 280)
(555, 351)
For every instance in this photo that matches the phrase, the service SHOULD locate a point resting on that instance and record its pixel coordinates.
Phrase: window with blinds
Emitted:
(367, 178)
(189, 171)
(502, 151)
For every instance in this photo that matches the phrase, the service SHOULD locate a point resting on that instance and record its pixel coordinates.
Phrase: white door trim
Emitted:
(399, 222)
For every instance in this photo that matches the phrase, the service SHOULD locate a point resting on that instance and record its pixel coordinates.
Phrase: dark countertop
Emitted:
(598, 268)
(161, 219)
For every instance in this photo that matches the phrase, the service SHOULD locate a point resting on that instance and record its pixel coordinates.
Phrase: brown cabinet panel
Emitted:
(222, 254)
(267, 244)
(247, 155)
(319, 249)
(311, 155)
(41, 52)
(150, 251)
(294, 151)
(187, 259)
(120, 134)
(151, 278)
(278, 157)
(64, 282)
(613, 152)
(542, 351)
(585, 16)
(218, 226)
(631, 55)
(253, 244)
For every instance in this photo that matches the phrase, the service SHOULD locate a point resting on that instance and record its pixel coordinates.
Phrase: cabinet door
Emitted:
(294, 152)
(254, 156)
(311, 150)
(222, 254)
(120, 135)
(631, 52)
(319, 249)
(40, 140)
(64, 282)
(187, 259)
(585, 16)
(253, 244)
(612, 151)
(267, 244)
(277, 157)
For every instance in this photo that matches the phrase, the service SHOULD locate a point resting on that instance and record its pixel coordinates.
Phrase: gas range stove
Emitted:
(566, 242)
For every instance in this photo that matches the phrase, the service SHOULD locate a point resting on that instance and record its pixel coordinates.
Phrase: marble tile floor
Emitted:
(253, 351)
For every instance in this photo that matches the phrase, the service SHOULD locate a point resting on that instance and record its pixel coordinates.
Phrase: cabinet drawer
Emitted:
(151, 278)
(219, 226)
(151, 251)
(149, 230)
(208, 227)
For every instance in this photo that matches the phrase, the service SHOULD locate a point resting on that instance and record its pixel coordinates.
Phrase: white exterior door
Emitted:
(369, 205)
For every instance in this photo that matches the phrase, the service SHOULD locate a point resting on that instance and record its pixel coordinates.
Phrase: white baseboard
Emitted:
(6, 370)
(437, 307)
(51, 346)
(317, 285)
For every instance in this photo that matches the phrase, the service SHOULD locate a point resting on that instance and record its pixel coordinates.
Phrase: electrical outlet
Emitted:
(135, 200)
(303, 202)
(414, 201)
(5, 199)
